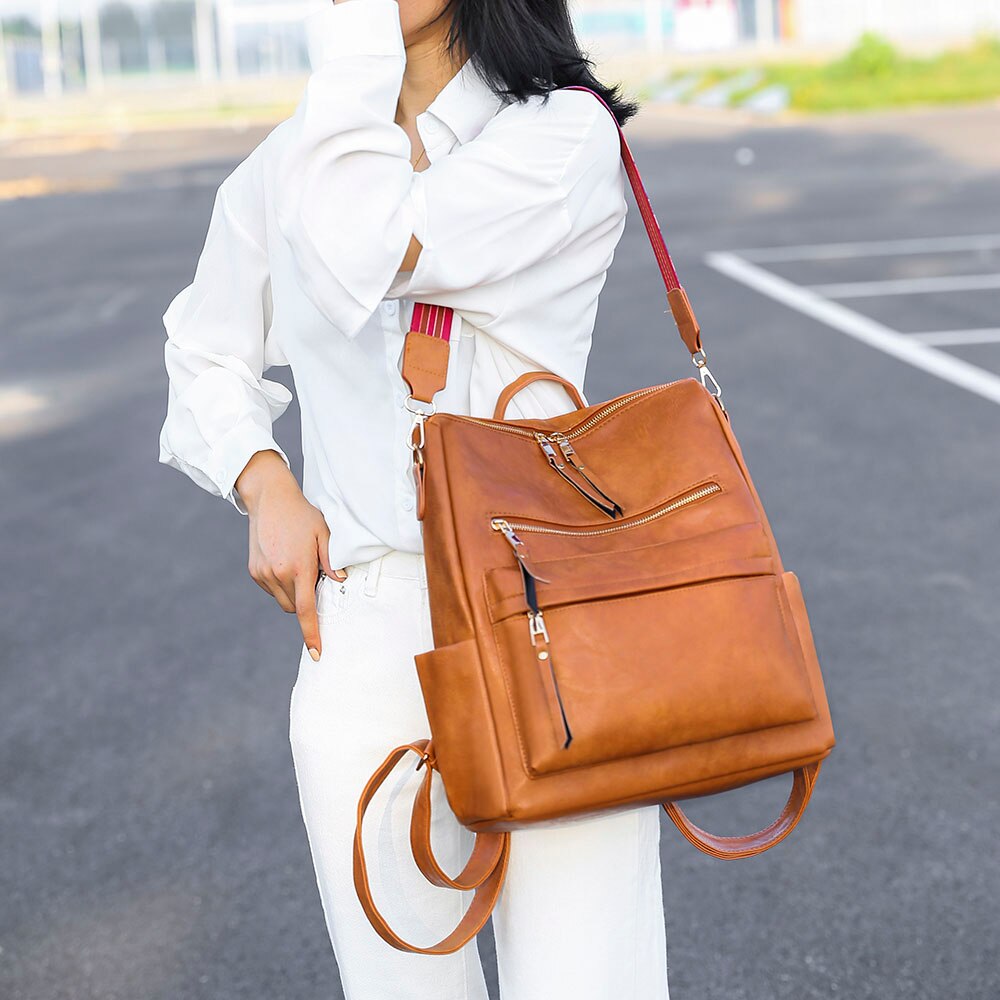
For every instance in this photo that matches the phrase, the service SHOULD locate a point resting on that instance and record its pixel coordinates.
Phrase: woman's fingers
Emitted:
(270, 584)
(305, 609)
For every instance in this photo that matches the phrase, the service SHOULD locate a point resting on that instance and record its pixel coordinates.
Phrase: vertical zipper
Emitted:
(537, 632)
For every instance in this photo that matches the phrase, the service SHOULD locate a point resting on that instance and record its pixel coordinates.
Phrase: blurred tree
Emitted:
(21, 27)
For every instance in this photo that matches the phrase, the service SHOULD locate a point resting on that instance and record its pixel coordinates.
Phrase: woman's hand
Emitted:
(288, 541)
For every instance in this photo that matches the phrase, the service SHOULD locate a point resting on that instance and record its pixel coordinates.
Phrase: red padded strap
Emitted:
(435, 321)
(653, 231)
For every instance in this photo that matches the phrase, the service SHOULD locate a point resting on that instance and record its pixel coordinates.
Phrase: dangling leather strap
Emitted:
(487, 865)
(425, 351)
(484, 872)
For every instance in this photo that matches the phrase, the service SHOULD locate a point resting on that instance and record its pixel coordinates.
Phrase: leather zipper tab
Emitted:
(569, 453)
(611, 508)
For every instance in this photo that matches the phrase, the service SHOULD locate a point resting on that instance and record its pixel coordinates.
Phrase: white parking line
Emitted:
(876, 248)
(957, 338)
(904, 347)
(909, 286)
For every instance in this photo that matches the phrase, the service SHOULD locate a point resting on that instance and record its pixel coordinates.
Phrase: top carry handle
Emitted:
(425, 350)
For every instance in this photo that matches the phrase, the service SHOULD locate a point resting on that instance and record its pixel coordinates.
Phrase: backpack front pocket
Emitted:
(705, 647)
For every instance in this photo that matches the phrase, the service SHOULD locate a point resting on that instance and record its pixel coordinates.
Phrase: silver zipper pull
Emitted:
(567, 449)
(550, 453)
(520, 549)
(499, 524)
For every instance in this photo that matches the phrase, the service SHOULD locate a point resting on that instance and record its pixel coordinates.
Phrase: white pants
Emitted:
(580, 916)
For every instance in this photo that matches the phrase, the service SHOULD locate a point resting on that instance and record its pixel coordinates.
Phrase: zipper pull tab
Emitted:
(540, 640)
(571, 457)
(567, 449)
(520, 549)
(550, 453)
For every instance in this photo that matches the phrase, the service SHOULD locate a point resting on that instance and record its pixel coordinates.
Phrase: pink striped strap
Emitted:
(435, 321)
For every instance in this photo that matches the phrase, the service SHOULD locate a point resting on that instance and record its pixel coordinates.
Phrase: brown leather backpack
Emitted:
(612, 621)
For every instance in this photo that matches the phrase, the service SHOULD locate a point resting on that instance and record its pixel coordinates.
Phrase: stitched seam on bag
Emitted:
(481, 660)
(701, 567)
(779, 588)
(420, 368)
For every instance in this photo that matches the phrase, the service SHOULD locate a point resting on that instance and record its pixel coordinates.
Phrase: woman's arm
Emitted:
(220, 409)
(362, 224)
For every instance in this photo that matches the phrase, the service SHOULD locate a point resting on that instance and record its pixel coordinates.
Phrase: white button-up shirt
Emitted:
(519, 215)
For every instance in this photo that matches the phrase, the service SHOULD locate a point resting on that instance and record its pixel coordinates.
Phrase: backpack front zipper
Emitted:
(548, 442)
(502, 523)
(530, 578)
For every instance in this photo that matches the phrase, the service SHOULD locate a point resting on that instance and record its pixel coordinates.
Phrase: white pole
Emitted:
(51, 48)
(204, 33)
(4, 79)
(765, 22)
(90, 25)
(654, 25)
(227, 41)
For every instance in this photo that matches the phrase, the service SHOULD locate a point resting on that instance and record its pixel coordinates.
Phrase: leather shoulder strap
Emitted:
(425, 364)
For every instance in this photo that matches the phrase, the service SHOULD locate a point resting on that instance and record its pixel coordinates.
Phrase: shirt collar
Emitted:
(465, 104)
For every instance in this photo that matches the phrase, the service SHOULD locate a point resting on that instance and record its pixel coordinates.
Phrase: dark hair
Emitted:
(527, 47)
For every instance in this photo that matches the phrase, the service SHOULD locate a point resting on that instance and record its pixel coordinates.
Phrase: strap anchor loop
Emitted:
(701, 363)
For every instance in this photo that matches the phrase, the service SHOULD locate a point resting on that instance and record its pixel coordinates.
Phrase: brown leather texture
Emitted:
(678, 646)
(425, 364)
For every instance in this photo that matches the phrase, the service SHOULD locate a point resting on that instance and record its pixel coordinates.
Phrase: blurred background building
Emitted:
(54, 47)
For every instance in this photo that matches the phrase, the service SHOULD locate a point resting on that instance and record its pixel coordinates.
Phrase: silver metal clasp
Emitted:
(701, 363)
(420, 413)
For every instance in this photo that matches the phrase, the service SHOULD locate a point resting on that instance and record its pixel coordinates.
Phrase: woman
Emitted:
(427, 161)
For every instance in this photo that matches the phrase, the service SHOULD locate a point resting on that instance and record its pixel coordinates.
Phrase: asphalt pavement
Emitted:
(151, 846)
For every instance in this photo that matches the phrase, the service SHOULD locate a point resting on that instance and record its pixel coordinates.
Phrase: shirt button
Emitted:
(431, 125)
(407, 503)
(390, 306)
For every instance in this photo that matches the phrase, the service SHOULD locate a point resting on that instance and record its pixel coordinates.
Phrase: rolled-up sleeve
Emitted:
(220, 409)
(537, 177)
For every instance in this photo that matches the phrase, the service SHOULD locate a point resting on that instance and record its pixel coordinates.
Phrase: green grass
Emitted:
(875, 75)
